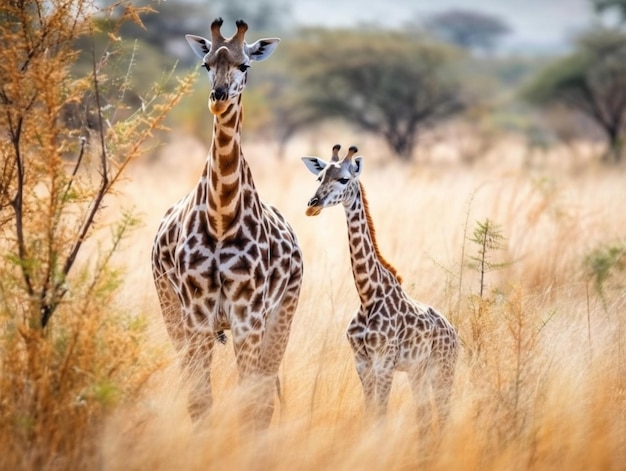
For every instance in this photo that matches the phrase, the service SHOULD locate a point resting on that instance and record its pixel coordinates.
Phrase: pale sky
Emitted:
(536, 24)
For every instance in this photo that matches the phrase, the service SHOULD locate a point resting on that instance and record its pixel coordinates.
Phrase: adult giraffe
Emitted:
(222, 258)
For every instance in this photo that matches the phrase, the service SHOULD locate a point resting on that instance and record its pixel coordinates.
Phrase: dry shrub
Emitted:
(70, 351)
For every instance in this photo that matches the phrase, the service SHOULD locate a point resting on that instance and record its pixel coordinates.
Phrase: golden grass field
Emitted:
(541, 379)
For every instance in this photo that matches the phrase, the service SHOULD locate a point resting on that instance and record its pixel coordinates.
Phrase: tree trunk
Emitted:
(402, 144)
(613, 154)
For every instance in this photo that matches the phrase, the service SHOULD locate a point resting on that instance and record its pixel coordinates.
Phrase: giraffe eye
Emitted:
(343, 181)
(243, 67)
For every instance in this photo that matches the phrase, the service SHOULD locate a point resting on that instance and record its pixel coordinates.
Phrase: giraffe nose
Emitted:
(219, 94)
(313, 201)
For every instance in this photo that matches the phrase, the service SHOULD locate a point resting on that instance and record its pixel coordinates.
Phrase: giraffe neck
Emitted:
(227, 180)
(369, 267)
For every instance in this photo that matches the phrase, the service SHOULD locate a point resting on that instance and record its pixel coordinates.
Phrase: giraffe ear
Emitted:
(314, 164)
(201, 46)
(261, 49)
(357, 166)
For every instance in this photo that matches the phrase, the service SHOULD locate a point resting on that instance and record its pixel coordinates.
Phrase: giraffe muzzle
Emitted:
(313, 208)
(218, 100)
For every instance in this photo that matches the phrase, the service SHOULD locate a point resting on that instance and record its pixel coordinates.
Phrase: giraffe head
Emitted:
(227, 61)
(339, 179)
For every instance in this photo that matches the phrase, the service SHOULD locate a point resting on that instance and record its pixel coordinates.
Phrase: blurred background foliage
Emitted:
(442, 69)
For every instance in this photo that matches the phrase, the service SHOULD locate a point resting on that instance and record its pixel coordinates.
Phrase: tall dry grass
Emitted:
(541, 382)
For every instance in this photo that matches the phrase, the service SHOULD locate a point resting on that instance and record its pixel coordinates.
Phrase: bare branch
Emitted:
(59, 288)
(17, 204)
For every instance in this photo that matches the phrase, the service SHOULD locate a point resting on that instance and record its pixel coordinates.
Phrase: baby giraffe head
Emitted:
(227, 61)
(339, 179)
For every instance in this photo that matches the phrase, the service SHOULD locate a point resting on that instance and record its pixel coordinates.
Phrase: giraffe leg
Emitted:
(171, 310)
(383, 374)
(363, 364)
(368, 381)
(419, 383)
(257, 388)
(277, 329)
(443, 380)
(197, 373)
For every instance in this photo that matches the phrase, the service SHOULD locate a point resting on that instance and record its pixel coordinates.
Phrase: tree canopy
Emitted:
(384, 83)
(613, 5)
(467, 28)
(592, 81)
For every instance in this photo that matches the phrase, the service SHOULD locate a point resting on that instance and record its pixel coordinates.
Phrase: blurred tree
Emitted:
(165, 25)
(591, 81)
(611, 5)
(467, 28)
(384, 83)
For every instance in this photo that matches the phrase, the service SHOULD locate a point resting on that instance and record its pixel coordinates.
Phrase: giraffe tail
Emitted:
(221, 337)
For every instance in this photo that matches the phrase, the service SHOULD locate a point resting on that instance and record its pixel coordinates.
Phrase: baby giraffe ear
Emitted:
(357, 166)
(261, 49)
(314, 164)
(201, 46)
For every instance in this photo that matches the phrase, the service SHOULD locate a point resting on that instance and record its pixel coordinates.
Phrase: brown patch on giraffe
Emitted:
(203, 232)
(240, 311)
(285, 246)
(196, 258)
(172, 234)
(229, 192)
(215, 179)
(241, 267)
(252, 226)
(360, 253)
(223, 140)
(254, 338)
(194, 286)
(253, 251)
(275, 277)
(229, 164)
(230, 123)
(209, 304)
(199, 314)
(191, 242)
(256, 304)
(200, 196)
(228, 109)
(244, 291)
(227, 220)
(211, 276)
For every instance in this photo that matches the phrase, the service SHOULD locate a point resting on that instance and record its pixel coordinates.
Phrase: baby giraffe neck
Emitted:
(369, 267)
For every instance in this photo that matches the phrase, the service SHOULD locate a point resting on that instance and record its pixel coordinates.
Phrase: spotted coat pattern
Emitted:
(390, 331)
(222, 258)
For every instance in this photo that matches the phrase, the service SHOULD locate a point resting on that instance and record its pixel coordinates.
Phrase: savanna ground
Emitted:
(541, 380)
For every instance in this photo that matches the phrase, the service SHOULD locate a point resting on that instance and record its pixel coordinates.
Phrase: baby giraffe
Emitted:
(390, 331)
